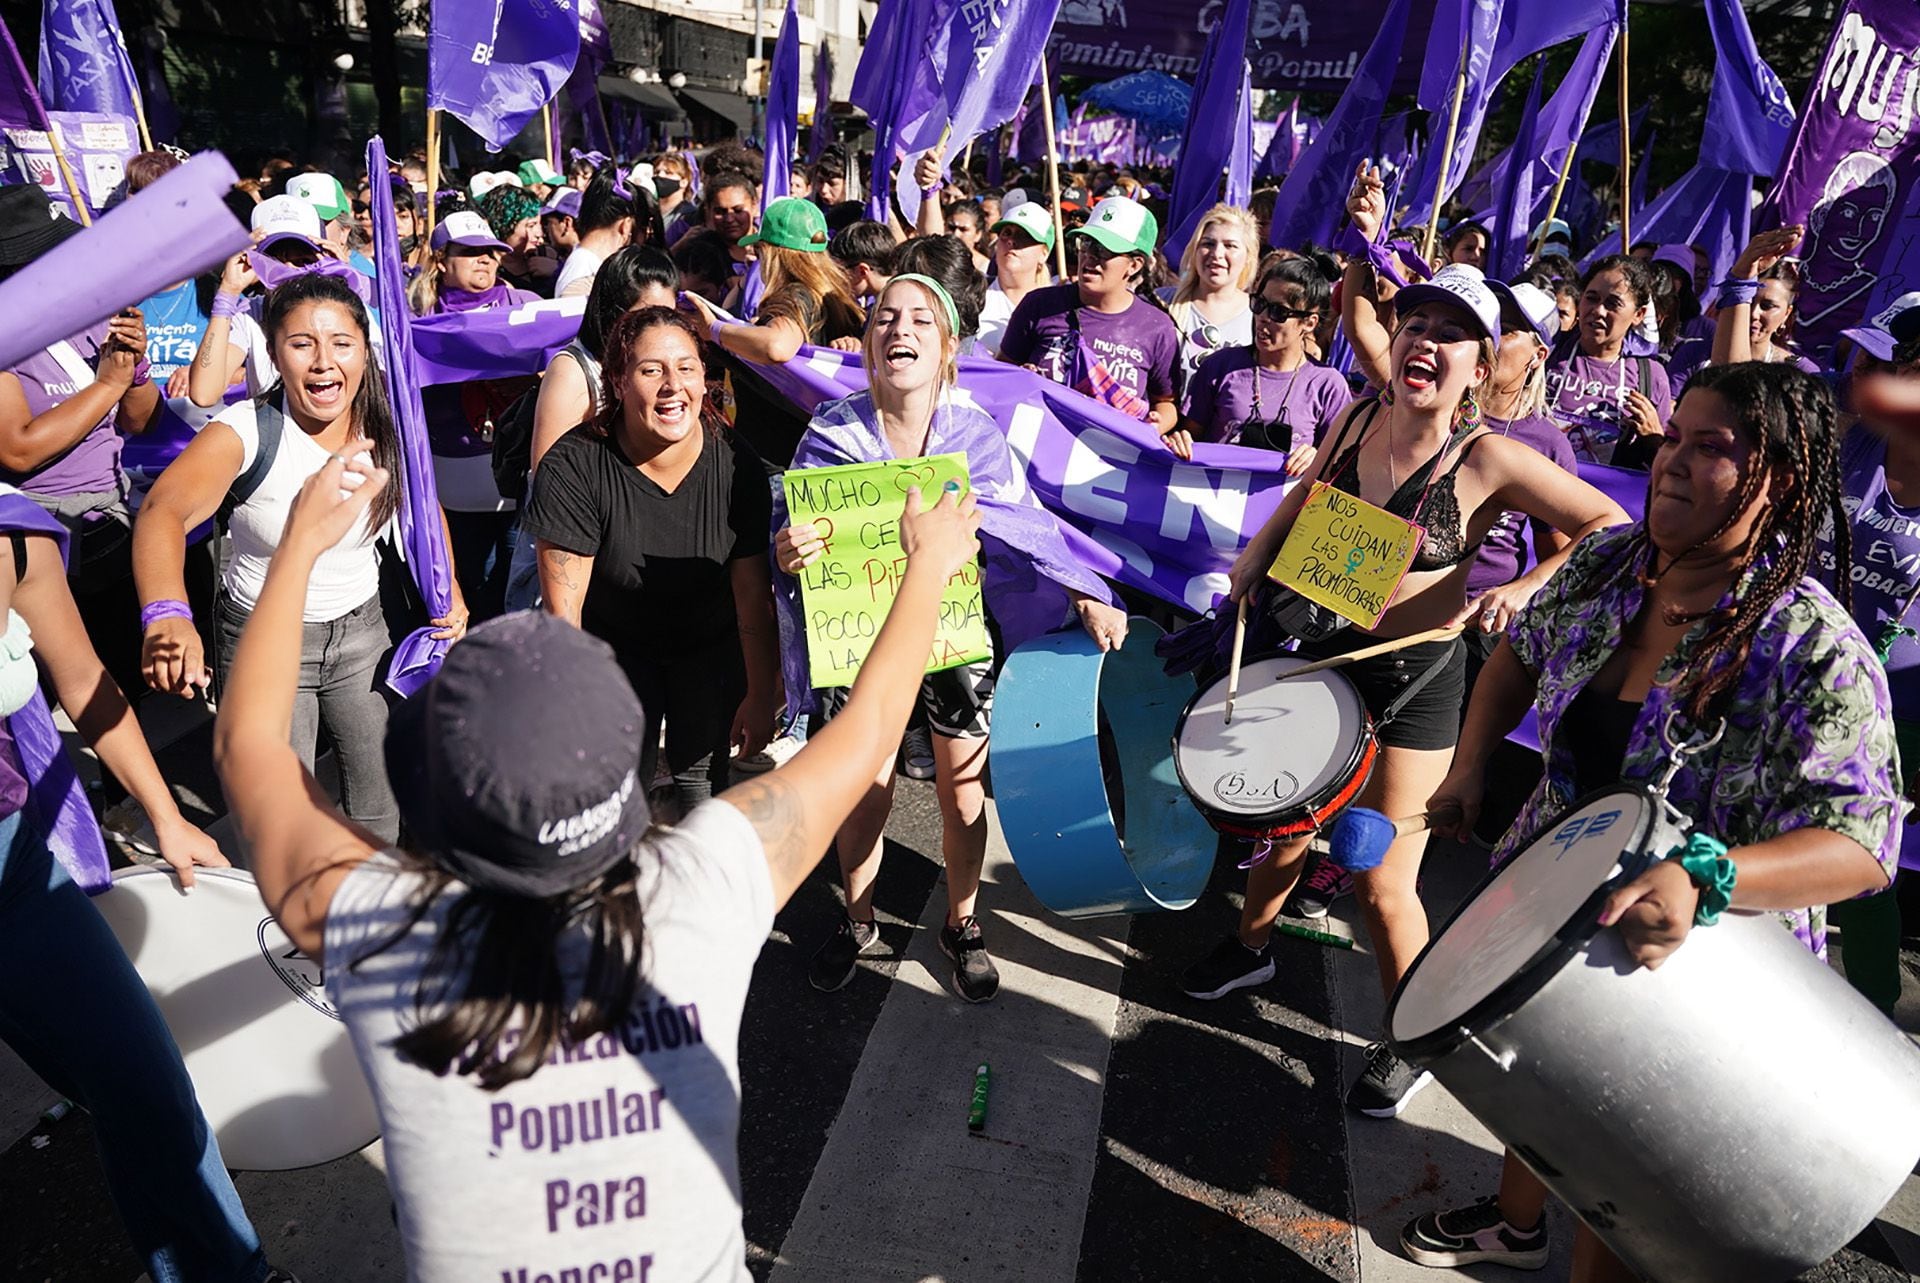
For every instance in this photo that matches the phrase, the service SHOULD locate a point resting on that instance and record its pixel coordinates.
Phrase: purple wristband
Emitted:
(142, 373)
(166, 608)
(714, 328)
(1734, 292)
(224, 305)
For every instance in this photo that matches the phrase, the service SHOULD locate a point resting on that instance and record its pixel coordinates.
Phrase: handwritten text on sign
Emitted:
(847, 593)
(1346, 554)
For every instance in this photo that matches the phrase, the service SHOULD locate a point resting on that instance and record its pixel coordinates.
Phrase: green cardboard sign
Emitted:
(847, 593)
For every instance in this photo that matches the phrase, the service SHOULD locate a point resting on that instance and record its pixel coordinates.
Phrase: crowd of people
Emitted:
(575, 837)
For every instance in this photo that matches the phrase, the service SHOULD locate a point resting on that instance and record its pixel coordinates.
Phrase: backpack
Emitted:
(512, 455)
(269, 424)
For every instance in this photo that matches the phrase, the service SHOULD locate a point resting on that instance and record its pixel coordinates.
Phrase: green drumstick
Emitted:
(1308, 933)
(977, 1111)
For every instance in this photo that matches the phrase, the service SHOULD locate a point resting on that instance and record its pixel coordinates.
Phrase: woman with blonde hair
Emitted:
(1210, 304)
(1030, 583)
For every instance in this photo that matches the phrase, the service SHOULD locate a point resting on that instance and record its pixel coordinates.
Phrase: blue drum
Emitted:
(1083, 776)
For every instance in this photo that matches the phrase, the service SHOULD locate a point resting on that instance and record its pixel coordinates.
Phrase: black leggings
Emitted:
(696, 692)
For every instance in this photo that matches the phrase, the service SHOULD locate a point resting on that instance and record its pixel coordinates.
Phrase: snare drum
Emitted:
(1738, 1114)
(1297, 753)
(269, 1057)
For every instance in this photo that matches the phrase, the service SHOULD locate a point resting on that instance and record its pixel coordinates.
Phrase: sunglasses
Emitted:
(1093, 251)
(1279, 311)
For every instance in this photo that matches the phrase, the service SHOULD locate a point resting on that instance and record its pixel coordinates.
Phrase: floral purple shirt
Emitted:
(1809, 729)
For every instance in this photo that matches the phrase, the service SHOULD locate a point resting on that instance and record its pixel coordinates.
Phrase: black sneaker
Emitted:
(916, 754)
(1471, 1236)
(1230, 966)
(1387, 1085)
(975, 978)
(832, 966)
(1325, 884)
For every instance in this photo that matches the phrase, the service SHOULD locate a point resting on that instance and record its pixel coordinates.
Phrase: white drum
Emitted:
(269, 1056)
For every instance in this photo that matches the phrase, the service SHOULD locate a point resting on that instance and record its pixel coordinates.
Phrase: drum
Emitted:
(1088, 800)
(1296, 754)
(1738, 1114)
(269, 1056)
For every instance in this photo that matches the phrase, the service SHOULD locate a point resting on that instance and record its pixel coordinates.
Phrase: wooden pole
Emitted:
(66, 174)
(1446, 154)
(1560, 184)
(1626, 156)
(546, 119)
(433, 168)
(966, 159)
(1053, 170)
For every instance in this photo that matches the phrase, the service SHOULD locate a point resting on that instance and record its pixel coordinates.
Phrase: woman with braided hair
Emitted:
(1702, 624)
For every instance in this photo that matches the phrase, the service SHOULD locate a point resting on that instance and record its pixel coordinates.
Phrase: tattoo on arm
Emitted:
(774, 808)
(562, 563)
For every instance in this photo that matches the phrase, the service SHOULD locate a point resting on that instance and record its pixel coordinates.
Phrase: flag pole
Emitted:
(433, 166)
(546, 120)
(1446, 153)
(1560, 183)
(1053, 169)
(1626, 158)
(66, 172)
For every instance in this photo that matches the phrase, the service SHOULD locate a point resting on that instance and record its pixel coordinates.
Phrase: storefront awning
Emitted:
(732, 108)
(654, 100)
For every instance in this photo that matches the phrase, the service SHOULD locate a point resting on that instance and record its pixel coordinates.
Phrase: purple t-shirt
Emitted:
(1139, 346)
(1230, 391)
(1886, 561)
(1589, 396)
(1501, 553)
(49, 377)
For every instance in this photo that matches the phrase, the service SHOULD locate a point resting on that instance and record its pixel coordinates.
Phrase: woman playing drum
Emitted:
(1421, 453)
(1697, 627)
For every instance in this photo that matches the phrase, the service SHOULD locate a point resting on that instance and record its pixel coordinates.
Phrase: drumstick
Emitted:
(1233, 665)
(1368, 652)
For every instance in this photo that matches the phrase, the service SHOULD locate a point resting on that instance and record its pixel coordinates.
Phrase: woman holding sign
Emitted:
(1420, 461)
(1030, 581)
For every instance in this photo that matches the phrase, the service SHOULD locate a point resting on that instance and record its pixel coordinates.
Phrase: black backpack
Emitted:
(513, 446)
(269, 423)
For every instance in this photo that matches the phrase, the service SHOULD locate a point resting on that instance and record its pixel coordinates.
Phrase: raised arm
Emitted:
(219, 360)
(932, 220)
(1732, 332)
(1359, 294)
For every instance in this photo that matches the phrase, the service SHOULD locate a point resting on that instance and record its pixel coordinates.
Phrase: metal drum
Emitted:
(1296, 754)
(1089, 803)
(1738, 1114)
(269, 1057)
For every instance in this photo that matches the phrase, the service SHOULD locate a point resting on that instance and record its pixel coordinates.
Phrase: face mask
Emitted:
(18, 675)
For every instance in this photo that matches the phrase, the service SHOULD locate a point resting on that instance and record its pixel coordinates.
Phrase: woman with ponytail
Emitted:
(1700, 625)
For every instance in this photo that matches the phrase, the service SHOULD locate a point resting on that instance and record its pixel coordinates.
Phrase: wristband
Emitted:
(1734, 291)
(166, 608)
(224, 305)
(1705, 861)
(714, 327)
(142, 373)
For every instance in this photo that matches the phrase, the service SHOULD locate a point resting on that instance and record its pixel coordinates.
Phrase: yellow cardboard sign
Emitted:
(1346, 554)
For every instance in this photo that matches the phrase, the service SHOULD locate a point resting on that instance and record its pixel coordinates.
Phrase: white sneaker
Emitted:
(778, 753)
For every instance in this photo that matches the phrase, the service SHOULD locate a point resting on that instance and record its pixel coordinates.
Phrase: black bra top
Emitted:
(1435, 507)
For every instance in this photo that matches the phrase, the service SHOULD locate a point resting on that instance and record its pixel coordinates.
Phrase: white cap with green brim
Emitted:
(1031, 218)
(1122, 225)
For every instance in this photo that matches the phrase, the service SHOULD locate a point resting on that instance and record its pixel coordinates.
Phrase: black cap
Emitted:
(517, 766)
(29, 224)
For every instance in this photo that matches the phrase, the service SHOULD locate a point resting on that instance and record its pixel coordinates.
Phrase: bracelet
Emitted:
(224, 306)
(714, 327)
(1734, 291)
(142, 374)
(1705, 861)
(166, 608)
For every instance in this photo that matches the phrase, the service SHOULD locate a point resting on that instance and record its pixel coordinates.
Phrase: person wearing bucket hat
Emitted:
(1022, 257)
(539, 946)
(62, 412)
(1103, 333)
(1422, 452)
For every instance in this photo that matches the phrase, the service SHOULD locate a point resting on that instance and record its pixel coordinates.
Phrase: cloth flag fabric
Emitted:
(83, 59)
(20, 103)
(981, 58)
(1284, 150)
(783, 110)
(583, 94)
(423, 540)
(822, 126)
(1313, 198)
(1513, 216)
(494, 66)
(1562, 120)
(886, 87)
(1240, 160)
(1158, 101)
(1749, 115)
(1220, 95)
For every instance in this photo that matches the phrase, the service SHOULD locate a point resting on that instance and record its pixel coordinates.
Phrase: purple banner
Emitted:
(97, 147)
(1303, 45)
(1206, 148)
(1101, 139)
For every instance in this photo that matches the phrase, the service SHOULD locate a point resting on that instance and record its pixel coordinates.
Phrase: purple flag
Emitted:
(1219, 126)
(1280, 154)
(980, 57)
(83, 60)
(1314, 198)
(494, 66)
(596, 42)
(783, 110)
(1749, 116)
(884, 86)
(20, 105)
(1561, 121)
(423, 540)
(1240, 160)
(1513, 219)
(822, 128)
(163, 118)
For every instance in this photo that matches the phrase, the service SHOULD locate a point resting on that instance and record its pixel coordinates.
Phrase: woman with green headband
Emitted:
(1031, 584)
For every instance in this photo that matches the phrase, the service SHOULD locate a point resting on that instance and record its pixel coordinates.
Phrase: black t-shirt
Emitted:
(660, 581)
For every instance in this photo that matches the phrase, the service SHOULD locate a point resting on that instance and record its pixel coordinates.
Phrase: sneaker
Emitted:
(1472, 1236)
(975, 978)
(1230, 966)
(1387, 1085)
(833, 965)
(778, 753)
(916, 754)
(1325, 884)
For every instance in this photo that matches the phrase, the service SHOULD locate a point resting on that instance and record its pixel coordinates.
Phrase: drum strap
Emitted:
(1418, 684)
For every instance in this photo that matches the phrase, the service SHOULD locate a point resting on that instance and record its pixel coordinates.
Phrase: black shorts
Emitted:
(1431, 719)
(957, 702)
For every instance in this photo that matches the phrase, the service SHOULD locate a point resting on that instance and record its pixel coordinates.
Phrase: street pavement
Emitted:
(1132, 1134)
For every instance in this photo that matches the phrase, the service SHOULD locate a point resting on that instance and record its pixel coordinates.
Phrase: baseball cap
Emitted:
(565, 201)
(280, 218)
(482, 183)
(1461, 285)
(791, 223)
(1529, 307)
(1892, 327)
(1554, 229)
(465, 228)
(1031, 218)
(538, 171)
(516, 766)
(322, 191)
(1121, 225)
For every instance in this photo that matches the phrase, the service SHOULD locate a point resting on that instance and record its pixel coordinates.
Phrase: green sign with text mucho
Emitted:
(847, 593)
